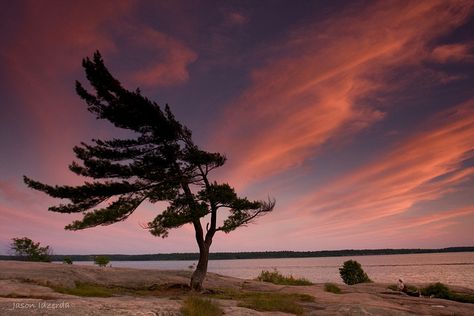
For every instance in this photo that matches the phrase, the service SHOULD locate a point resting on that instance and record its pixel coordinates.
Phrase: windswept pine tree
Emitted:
(161, 163)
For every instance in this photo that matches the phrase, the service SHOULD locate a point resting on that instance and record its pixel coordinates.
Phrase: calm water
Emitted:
(450, 268)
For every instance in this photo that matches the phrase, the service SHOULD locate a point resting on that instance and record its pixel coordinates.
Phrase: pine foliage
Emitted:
(352, 273)
(159, 162)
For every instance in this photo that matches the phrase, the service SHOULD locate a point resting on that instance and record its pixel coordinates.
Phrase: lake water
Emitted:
(449, 268)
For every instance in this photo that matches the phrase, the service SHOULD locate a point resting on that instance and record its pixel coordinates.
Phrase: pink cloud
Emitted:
(436, 229)
(453, 53)
(424, 167)
(44, 59)
(236, 18)
(313, 91)
(171, 67)
(429, 220)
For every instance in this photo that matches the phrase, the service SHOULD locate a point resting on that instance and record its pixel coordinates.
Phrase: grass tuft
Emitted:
(439, 290)
(276, 277)
(196, 306)
(272, 302)
(267, 301)
(332, 288)
(89, 290)
(96, 290)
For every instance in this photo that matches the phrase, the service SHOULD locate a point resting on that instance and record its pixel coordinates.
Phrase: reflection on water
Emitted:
(450, 268)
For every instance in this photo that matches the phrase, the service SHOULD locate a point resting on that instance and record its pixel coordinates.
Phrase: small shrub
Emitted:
(332, 288)
(352, 273)
(276, 277)
(196, 306)
(463, 298)
(273, 302)
(438, 290)
(67, 260)
(101, 261)
(266, 301)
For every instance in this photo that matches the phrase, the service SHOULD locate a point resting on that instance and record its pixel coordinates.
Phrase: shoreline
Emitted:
(156, 291)
(453, 268)
(189, 256)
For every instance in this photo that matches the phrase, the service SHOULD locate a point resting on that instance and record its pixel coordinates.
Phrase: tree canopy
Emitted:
(159, 162)
(30, 250)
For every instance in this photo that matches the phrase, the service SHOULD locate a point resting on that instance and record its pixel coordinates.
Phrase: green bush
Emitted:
(275, 302)
(87, 290)
(463, 298)
(276, 277)
(196, 306)
(332, 288)
(67, 260)
(438, 290)
(352, 273)
(101, 261)
(266, 301)
(29, 250)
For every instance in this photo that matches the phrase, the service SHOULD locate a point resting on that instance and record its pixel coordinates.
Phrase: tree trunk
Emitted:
(200, 273)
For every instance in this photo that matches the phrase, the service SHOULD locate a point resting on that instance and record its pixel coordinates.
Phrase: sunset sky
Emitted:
(356, 116)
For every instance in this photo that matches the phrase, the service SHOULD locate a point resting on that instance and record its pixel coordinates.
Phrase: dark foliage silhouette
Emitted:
(352, 273)
(161, 163)
(101, 261)
(29, 250)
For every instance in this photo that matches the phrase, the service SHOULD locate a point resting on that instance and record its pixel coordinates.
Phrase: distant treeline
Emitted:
(255, 255)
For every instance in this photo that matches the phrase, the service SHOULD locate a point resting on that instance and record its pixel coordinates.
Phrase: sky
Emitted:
(356, 116)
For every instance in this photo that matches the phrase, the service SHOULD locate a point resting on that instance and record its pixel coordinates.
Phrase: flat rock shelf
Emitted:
(28, 288)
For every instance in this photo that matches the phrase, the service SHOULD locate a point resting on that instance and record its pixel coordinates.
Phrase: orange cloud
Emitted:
(452, 53)
(317, 89)
(427, 166)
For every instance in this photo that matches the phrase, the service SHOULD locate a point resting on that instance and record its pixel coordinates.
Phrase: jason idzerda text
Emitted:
(41, 305)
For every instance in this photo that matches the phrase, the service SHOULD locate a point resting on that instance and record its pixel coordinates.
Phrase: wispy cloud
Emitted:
(428, 221)
(424, 167)
(235, 18)
(316, 87)
(453, 53)
(170, 68)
